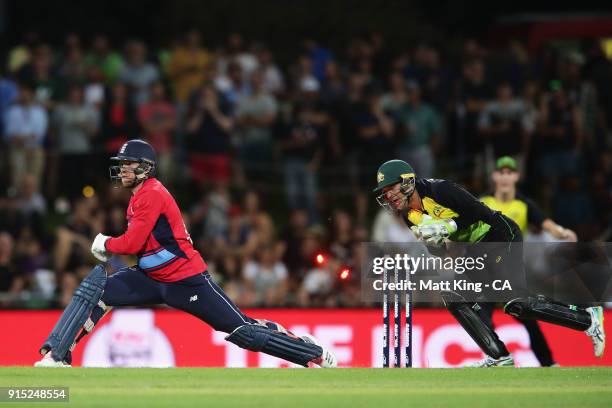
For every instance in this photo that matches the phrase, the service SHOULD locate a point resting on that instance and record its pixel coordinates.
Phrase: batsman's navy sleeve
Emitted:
(535, 215)
(146, 211)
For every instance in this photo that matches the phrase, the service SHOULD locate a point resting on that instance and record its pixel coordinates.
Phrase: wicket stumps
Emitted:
(386, 310)
(408, 325)
(396, 323)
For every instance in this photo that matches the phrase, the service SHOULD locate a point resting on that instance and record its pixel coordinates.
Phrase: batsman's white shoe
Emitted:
(507, 361)
(48, 361)
(596, 332)
(327, 359)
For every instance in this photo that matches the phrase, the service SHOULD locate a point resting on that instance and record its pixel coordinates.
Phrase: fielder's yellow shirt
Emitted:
(521, 210)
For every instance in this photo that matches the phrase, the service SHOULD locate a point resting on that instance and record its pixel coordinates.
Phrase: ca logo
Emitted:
(380, 177)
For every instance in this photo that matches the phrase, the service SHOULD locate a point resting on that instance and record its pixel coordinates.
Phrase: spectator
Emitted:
(10, 280)
(32, 206)
(217, 204)
(233, 241)
(137, 72)
(341, 236)
(21, 54)
(209, 127)
(560, 138)
(518, 67)
(158, 120)
(186, 68)
(32, 261)
(583, 94)
(74, 67)
(26, 128)
(420, 133)
(237, 52)
(104, 58)
(76, 125)
(301, 145)
(311, 244)
(505, 127)
(267, 277)
(374, 144)
(348, 111)
(29, 199)
(320, 57)
(333, 88)
(303, 72)
(573, 205)
(316, 289)
(392, 101)
(233, 86)
(273, 80)
(48, 87)
(255, 115)
(292, 238)
(262, 233)
(330, 99)
(119, 118)
(251, 204)
(388, 227)
(472, 94)
(73, 240)
(349, 287)
(94, 90)
(234, 283)
(8, 94)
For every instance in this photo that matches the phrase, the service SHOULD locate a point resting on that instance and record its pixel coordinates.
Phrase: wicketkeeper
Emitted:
(440, 210)
(169, 271)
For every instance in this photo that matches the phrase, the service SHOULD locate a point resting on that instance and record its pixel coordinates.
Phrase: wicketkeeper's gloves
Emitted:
(434, 231)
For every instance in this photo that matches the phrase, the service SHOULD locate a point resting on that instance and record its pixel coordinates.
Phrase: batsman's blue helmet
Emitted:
(135, 151)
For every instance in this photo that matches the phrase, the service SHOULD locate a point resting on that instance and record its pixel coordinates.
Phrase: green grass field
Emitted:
(288, 388)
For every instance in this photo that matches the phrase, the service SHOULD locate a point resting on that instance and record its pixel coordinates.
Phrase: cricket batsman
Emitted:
(440, 210)
(169, 271)
(524, 212)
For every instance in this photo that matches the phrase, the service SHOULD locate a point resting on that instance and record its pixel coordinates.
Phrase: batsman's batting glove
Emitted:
(434, 232)
(98, 248)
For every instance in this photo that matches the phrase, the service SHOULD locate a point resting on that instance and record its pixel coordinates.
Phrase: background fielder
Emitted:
(524, 212)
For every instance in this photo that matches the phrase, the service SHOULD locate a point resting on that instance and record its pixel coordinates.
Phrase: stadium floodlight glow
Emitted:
(320, 259)
(88, 191)
(345, 273)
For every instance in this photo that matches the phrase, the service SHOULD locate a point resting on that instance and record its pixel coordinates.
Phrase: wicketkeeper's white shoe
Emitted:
(596, 331)
(48, 361)
(507, 361)
(327, 359)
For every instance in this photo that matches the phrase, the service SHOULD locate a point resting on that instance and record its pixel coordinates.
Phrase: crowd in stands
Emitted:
(273, 165)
